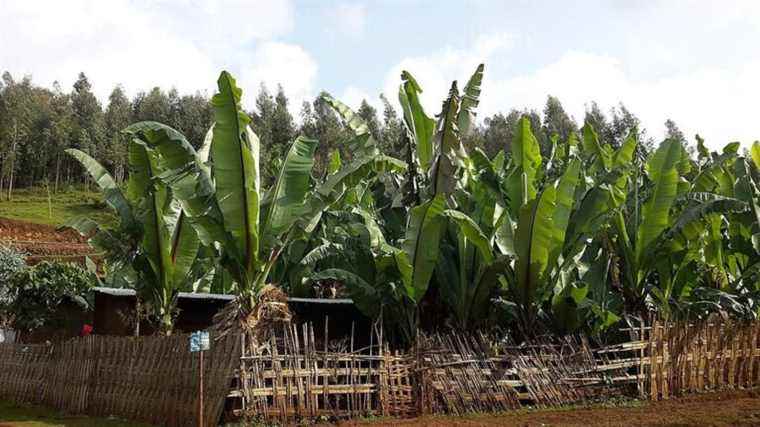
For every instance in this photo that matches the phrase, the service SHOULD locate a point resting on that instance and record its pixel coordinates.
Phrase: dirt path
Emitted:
(741, 408)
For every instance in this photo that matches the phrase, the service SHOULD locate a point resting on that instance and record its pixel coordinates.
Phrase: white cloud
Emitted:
(436, 71)
(284, 64)
(717, 102)
(347, 19)
(353, 97)
(141, 44)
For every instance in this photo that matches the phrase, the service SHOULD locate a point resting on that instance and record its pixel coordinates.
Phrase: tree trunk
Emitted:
(57, 172)
(2, 178)
(13, 160)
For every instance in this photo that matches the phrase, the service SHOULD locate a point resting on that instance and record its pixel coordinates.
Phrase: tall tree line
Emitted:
(37, 124)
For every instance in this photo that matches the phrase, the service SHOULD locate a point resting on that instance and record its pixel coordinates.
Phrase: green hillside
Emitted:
(34, 205)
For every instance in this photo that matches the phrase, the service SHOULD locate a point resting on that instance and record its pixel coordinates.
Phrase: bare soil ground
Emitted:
(41, 241)
(736, 408)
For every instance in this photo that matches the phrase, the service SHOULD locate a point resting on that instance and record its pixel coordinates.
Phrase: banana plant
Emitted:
(547, 224)
(435, 148)
(384, 279)
(160, 246)
(652, 235)
(343, 191)
(702, 228)
(722, 214)
(224, 200)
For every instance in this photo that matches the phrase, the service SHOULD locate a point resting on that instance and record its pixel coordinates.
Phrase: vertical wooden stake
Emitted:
(200, 391)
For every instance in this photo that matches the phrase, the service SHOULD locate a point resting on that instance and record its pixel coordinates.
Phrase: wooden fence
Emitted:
(689, 358)
(293, 376)
(289, 377)
(152, 379)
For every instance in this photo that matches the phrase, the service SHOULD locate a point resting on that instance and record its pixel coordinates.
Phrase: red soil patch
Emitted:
(736, 408)
(41, 241)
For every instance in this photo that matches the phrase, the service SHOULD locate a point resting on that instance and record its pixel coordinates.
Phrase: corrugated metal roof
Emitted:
(123, 292)
(322, 300)
(120, 292)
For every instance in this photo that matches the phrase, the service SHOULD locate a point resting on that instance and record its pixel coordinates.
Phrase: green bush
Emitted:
(11, 261)
(38, 292)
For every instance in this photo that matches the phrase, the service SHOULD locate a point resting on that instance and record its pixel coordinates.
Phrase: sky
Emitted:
(695, 62)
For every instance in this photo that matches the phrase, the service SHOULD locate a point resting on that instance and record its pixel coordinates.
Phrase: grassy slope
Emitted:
(37, 416)
(32, 205)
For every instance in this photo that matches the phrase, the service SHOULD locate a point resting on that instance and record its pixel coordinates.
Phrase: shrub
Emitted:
(11, 261)
(38, 292)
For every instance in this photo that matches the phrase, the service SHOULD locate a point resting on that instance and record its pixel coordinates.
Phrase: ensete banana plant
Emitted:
(576, 234)
(153, 248)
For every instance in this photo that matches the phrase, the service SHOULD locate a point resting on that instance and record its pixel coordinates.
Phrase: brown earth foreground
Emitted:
(738, 408)
(43, 242)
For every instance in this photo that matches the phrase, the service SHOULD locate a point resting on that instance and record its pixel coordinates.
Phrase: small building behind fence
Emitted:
(116, 313)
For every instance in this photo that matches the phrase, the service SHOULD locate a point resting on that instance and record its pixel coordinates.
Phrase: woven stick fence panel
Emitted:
(712, 355)
(152, 379)
(459, 375)
(289, 377)
(23, 372)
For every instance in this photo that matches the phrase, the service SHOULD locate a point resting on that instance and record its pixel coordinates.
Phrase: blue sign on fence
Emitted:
(199, 341)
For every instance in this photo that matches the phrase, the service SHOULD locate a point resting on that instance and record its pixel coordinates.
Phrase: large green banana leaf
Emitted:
(190, 181)
(289, 192)
(357, 170)
(565, 204)
(472, 232)
(655, 214)
(419, 125)
(755, 153)
(169, 241)
(526, 158)
(150, 200)
(601, 154)
(704, 204)
(609, 192)
(448, 149)
(470, 100)
(533, 243)
(235, 169)
(354, 122)
(111, 192)
(183, 244)
(421, 246)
